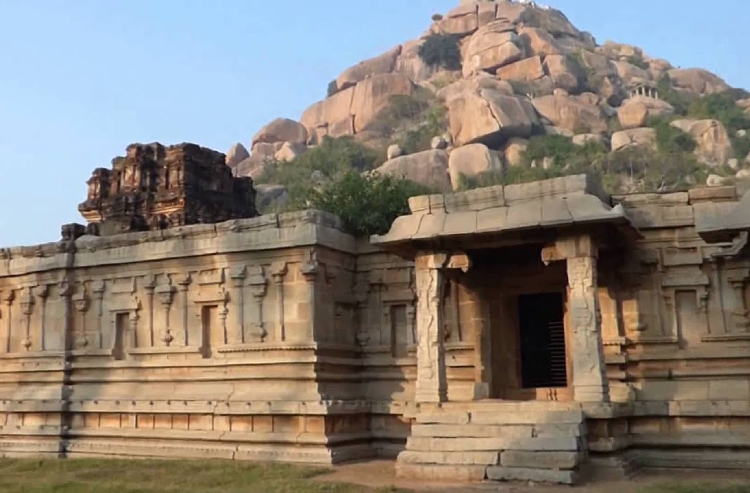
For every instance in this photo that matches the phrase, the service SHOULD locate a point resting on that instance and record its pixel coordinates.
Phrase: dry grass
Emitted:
(153, 476)
(696, 488)
(190, 476)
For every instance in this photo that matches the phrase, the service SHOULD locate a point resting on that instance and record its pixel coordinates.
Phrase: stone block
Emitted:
(440, 473)
(449, 458)
(729, 389)
(443, 418)
(473, 431)
(499, 473)
(527, 417)
(713, 194)
(491, 444)
(540, 460)
(557, 430)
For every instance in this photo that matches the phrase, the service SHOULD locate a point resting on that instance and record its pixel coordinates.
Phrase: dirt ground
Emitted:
(378, 474)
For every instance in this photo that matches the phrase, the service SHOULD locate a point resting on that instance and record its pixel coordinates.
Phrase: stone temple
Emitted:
(544, 331)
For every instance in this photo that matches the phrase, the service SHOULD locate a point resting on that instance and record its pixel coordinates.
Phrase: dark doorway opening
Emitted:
(542, 334)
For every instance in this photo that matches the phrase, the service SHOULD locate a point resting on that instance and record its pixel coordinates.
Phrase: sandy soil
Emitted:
(378, 474)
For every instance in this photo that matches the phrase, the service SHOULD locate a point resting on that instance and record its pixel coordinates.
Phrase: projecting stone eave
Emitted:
(546, 206)
(725, 229)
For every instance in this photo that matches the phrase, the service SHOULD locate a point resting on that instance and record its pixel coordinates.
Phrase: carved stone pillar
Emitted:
(310, 269)
(431, 378)
(361, 291)
(8, 299)
(237, 334)
(590, 382)
(278, 271)
(258, 284)
(66, 292)
(739, 314)
(98, 290)
(27, 308)
(165, 294)
(150, 287)
(81, 303)
(43, 293)
(184, 286)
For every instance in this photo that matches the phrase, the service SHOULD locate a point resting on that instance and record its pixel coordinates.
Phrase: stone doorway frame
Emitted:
(580, 252)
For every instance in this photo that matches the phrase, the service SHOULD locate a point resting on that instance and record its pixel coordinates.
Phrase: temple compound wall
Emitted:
(282, 338)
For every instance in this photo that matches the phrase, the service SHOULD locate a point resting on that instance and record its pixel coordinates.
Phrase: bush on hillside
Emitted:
(638, 61)
(594, 81)
(332, 159)
(680, 101)
(562, 150)
(412, 121)
(441, 50)
(367, 204)
(636, 169)
(720, 107)
(672, 140)
(741, 146)
(643, 170)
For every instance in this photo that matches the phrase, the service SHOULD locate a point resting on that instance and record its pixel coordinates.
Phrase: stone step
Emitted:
(432, 472)
(500, 418)
(450, 458)
(506, 406)
(530, 417)
(540, 460)
(484, 431)
(429, 444)
(500, 473)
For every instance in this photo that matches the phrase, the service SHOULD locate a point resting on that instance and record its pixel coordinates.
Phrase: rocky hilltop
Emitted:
(514, 89)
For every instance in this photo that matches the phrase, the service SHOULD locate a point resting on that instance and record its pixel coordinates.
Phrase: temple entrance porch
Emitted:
(527, 259)
(539, 362)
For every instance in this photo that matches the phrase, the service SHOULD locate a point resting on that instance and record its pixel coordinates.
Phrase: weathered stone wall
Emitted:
(282, 338)
(676, 334)
(223, 341)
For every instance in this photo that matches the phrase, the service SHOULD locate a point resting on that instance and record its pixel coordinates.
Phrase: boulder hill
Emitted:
(499, 87)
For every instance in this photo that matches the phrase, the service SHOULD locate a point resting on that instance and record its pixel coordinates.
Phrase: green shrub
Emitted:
(667, 92)
(641, 169)
(594, 81)
(562, 150)
(638, 61)
(670, 139)
(441, 50)
(412, 121)
(741, 146)
(367, 204)
(333, 88)
(720, 107)
(420, 138)
(332, 158)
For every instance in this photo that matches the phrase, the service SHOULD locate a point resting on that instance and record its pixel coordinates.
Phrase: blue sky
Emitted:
(82, 79)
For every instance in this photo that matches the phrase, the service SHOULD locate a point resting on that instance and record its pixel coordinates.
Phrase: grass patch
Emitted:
(153, 476)
(696, 488)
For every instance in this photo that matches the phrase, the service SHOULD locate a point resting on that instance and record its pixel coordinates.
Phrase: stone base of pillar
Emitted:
(481, 391)
(431, 396)
(591, 393)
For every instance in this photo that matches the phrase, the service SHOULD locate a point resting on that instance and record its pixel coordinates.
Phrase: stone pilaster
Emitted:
(258, 286)
(431, 379)
(237, 335)
(278, 272)
(590, 382)
(310, 269)
(150, 287)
